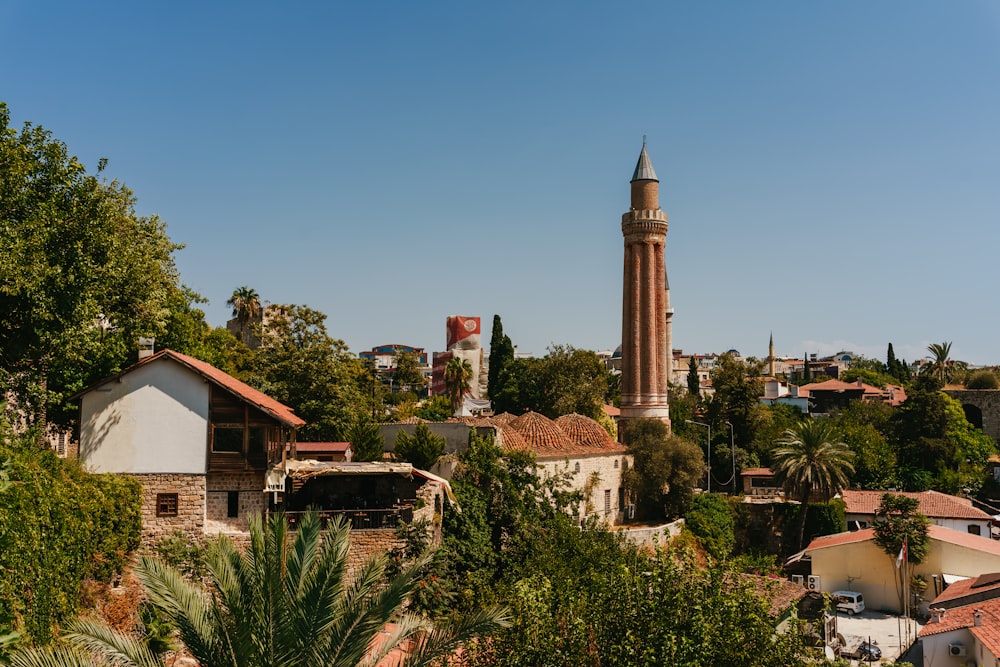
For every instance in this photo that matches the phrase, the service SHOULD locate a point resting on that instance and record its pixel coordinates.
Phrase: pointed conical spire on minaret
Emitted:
(644, 167)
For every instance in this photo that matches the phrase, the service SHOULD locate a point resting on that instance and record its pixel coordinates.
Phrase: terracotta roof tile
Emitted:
(547, 440)
(756, 472)
(933, 504)
(967, 587)
(939, 533)
(586, 432)
(958, 618)
(315, 447)
(258, 399)
(503, 418)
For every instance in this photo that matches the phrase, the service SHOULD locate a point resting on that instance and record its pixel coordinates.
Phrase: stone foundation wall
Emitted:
(249, 486)
(190, 518)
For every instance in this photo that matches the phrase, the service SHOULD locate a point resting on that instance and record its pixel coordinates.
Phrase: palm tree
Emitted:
(810, 461)
(940, 357)
(281, 602)
(457, 376)
(245, 303)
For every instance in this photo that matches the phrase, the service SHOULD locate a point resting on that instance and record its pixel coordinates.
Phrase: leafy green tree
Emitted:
(82, 276)
(711, 520)
(299, 364)
(422, 449)
(408, 373)
(457, 378)
(693, 383)
(738, 386)
(865, 427)
(501, 354)
(284, 602)
(810, 461)
(898, 519)
(565, 381)
(189, 333)
(366, 440)
(434, 409)
(665, 469)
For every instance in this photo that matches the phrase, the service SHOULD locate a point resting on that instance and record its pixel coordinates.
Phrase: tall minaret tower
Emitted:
(770, 356)
(646, 310)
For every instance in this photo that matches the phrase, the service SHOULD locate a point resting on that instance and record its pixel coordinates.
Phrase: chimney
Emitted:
(977, 617)
(937, 615)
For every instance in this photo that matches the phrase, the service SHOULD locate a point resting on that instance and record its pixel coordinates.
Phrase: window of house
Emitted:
(258, 440)
(974, 530)
(227, 438)
(616, 464)
(607, 501)
(233, 504)
(166, 504)
(576, 468)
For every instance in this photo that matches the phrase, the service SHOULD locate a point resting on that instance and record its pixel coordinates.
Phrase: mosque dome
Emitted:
(585, 432)
(541, 433)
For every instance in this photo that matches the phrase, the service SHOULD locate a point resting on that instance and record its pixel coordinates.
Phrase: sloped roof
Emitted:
(962, 617)
(756, 472)
(321, 447)
(503, 418)
(933, 504)
(982, 584)
(938, 533)
(241, 390)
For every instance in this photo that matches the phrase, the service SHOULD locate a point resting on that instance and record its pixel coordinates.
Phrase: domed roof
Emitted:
(585, 432)
(511, 440)
(617, 354)
(540, 432)
(503, 418)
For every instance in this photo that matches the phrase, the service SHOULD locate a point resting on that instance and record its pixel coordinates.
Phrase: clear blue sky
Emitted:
(831, 170)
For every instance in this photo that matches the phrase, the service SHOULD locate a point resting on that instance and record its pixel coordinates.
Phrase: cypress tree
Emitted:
(694, 384)
(501, 354)
(807, 375)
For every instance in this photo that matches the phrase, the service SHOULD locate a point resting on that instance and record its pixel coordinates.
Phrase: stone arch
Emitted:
(982, 408)
(973, 414)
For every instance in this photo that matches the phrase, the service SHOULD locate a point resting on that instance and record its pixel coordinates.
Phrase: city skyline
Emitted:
(829, 171)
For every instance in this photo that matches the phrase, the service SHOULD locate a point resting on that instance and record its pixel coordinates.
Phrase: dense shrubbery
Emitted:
(711, 520)
(58, 527)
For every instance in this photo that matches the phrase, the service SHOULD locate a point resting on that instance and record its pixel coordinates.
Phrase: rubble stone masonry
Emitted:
(190, 516)
(248, 485)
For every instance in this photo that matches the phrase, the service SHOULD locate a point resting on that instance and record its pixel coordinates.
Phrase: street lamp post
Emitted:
(709, 455)
(732, 452)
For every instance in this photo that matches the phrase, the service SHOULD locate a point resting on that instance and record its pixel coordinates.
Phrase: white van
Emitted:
(850, 602)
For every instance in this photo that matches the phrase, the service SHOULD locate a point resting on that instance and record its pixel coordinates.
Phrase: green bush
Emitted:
(983, 379)
(59, 526)
(711, 521)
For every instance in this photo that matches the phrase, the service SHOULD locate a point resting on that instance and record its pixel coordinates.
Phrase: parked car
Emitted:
(850, 602)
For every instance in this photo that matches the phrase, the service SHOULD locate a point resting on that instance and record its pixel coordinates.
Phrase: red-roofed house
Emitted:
(966, 635)
(852, 561)
(943, 510)
(835, 394)
(198, 439)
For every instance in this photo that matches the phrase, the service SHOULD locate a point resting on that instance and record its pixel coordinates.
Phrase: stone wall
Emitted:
(190, 517)
(248, 485)
(987, 401)
(594, 475)
(651, 537)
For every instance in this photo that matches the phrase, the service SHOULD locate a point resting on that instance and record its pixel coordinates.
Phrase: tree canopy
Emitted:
(501, 355)
(301, 365)
(665, 469)
(82, 276)
(564, 381)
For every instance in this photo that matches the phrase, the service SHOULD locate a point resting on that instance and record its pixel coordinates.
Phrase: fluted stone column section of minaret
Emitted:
(646, 335)
(670, 327)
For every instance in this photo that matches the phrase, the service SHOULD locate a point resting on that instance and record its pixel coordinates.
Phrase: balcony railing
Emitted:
(359, 519)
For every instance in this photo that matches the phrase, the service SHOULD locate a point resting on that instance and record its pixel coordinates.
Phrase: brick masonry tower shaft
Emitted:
(645, 308)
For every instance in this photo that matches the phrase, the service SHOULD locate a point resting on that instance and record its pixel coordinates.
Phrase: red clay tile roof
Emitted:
(511, 440)
(612, 411)
(933, 504)
(503, 418)
(585, 432)
(966, 587)
(547, 440)
(258, 399)
(958, 618)
(939, 533)
(891, 394)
